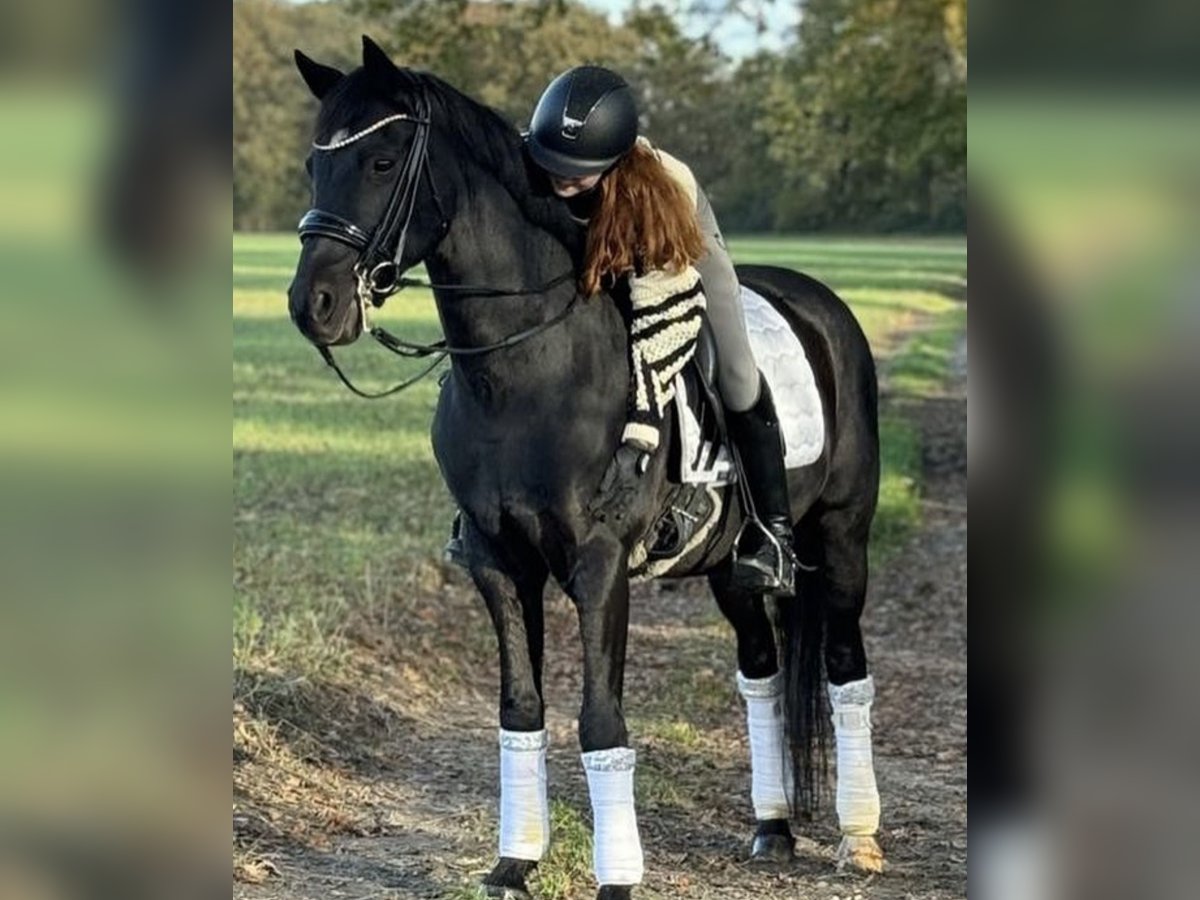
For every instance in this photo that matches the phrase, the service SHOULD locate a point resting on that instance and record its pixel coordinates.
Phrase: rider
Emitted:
(641, 208)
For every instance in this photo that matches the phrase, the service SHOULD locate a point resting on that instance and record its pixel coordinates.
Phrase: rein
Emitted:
(440, 349)
(377, 271)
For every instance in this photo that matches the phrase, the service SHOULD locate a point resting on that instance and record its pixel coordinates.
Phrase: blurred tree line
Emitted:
(858, 124)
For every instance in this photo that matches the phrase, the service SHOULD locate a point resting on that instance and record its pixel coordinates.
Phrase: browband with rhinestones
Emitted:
(345, 142)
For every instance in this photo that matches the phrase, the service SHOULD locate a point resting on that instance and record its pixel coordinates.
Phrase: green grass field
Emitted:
(337, 499)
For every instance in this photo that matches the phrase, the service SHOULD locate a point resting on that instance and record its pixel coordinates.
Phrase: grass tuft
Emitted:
(921, 368)
(568, 864)
(674, 732)
(899, 511)
(657, 786)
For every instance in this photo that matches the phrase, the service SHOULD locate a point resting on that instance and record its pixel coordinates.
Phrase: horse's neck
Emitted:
(581, 357)
(490, 238)
(491, 244)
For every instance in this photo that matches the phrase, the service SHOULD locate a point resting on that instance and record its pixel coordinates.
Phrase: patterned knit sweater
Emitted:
(667, 312)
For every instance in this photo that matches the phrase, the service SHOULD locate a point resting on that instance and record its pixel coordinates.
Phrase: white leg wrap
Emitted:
(524, 810)
(770, 762)
(617, 849)
(857, 796)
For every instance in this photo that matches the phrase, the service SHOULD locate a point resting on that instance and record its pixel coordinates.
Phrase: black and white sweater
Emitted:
(667, 312)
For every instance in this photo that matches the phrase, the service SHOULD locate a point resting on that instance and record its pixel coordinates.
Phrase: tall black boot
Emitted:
(766, 560)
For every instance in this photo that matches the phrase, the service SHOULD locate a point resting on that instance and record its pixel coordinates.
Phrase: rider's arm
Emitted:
(667, 311)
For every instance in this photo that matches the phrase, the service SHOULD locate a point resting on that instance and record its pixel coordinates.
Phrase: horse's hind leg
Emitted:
(840, 585)
(515, 606)
(759, 682)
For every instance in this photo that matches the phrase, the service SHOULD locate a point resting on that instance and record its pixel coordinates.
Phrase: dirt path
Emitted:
(382, 784)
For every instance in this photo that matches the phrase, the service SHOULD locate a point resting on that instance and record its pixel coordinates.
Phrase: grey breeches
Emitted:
(737, 371)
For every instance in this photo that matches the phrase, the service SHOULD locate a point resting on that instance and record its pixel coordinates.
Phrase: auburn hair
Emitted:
(643, 221)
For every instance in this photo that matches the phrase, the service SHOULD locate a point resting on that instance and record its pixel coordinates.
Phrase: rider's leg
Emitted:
(768, 565)
(737, 374)
(753, 426)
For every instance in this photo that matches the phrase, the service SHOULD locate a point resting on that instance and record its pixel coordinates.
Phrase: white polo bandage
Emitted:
(524, 809)
(770, 762)
(857, 795)
(616, 847)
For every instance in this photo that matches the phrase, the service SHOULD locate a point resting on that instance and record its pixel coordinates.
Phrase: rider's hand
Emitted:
(621, 484)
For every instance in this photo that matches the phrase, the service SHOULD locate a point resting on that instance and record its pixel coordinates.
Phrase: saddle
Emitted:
(700, 464)
(690, 507)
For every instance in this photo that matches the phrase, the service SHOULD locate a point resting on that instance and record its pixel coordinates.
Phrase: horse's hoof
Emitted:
(614, 892)
(506, 881)
(500, 892)
(861, 853)
(773, 849)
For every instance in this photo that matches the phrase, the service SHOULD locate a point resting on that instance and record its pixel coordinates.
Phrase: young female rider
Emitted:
(647, 220)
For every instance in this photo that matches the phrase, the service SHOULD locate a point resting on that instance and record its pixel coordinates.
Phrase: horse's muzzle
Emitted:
(321, 315)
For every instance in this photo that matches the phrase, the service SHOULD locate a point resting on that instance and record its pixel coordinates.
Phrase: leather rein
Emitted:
(377, 271)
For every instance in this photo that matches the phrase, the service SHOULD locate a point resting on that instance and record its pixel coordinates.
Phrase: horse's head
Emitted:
(377, 208)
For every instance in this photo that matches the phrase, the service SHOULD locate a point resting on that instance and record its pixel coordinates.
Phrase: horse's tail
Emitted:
(801, 622)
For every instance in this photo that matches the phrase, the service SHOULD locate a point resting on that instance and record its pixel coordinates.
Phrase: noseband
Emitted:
(378, 272)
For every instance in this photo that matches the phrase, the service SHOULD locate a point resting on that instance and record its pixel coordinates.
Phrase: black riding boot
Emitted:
(765, 563)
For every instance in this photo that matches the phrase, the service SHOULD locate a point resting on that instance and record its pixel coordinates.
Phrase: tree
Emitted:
(861, 124)
(272, 109)
(868, 115)
(502, 54)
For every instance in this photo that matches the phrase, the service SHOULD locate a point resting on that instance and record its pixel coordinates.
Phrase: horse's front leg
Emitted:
(599, 586)
(515, 605)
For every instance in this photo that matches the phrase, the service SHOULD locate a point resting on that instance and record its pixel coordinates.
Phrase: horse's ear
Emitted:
(378, 64)
(320, 79)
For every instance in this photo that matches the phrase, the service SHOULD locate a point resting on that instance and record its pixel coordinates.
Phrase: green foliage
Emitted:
(867, 118)
(272, 108)
(860, 124)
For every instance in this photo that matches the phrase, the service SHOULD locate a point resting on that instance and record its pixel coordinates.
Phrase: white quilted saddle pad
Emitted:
(781, 358)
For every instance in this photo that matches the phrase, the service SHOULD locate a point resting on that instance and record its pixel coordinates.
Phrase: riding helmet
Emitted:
(585, 121)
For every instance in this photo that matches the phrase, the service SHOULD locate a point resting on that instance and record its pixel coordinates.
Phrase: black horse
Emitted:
(406, 169)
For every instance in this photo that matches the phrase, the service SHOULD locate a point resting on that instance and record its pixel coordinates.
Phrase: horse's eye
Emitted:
(384, 165)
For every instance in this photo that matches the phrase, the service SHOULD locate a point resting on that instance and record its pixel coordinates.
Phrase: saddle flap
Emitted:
(705, 357)
(698, 453)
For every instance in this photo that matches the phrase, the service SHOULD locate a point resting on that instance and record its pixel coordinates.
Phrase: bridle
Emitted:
(378, 273)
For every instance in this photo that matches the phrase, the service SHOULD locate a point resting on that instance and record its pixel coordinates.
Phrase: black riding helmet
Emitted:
(585, 121)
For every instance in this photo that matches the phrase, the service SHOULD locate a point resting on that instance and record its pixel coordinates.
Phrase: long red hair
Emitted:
(644, 221)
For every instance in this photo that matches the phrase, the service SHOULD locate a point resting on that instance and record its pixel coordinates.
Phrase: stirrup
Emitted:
(455, 551)
(781, 584)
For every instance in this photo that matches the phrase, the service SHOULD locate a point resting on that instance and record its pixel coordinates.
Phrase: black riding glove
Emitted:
(621, 484)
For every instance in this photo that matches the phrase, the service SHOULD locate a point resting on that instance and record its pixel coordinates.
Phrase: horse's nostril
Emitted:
(323, 304)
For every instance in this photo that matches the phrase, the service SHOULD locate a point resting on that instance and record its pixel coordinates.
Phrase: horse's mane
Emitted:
(478, 133)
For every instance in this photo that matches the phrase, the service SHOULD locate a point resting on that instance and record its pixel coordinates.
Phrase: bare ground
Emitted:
(380, 781)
